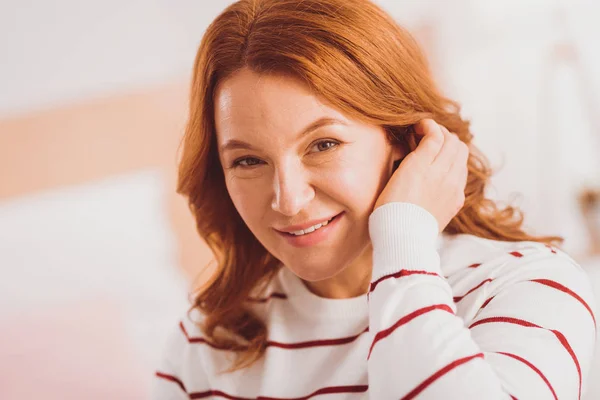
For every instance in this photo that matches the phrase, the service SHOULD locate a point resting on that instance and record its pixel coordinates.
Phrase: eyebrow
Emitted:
(319, 123)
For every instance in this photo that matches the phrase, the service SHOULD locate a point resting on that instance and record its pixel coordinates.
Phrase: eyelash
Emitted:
(237, 163)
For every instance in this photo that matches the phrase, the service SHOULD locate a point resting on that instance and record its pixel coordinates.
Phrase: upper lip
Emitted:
(295, 228)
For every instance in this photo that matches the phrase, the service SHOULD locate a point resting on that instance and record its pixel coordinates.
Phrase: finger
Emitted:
(431, 144)
(449, 152)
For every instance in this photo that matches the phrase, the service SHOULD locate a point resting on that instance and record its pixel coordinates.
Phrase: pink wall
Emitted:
(101, 138)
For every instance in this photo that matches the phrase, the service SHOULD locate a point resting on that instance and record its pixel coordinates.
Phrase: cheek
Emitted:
(247, 199)
(241, 198)
(358, 182)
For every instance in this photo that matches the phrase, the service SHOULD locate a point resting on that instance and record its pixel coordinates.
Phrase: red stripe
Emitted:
(438, 374)
(568, 291)
(406, 319)
(399, 274)
(504, 319)
(291, 346)
(512, 253)
(551, 248)
(327, 390)
(459, 298)
(269, 297)
(198, 339)
(315, 343)
(202, 395)
(533, 367)
(485, 303)
(172, 379)
(561, 338)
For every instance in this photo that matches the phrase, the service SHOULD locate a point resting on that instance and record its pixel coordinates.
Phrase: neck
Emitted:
(352, 281)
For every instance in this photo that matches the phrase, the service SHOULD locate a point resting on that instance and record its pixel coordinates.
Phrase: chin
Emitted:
(315, 273)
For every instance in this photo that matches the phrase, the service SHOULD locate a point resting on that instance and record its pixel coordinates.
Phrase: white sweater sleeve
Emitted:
(531, 341)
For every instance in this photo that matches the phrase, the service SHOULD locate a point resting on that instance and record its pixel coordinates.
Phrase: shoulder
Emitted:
(479, 269)
(181, 366)
(526, 299)
(187, 343)
(191, 362)
(182, 334)
(461, 254)
(458, 252)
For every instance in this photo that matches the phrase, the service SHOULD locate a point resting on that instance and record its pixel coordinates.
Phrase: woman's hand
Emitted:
(433, 176)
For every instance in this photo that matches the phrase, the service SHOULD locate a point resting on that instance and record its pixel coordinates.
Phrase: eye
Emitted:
(245, 162)
(325, 145)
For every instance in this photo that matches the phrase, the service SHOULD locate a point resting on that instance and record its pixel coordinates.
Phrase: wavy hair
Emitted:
(353, 55)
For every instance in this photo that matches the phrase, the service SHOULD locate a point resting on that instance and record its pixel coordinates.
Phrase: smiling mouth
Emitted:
(312, 229)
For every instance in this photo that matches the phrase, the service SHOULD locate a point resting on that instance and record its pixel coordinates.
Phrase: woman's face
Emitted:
(289, 160)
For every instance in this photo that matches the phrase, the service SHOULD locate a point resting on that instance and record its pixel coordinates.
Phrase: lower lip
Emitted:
(315, 237)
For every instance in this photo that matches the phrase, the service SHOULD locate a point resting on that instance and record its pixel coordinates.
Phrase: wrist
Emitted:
(403, 236)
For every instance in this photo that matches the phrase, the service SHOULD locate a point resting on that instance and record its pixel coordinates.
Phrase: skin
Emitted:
(282, 178)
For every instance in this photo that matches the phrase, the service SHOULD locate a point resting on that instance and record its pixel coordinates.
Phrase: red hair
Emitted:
(353, 55)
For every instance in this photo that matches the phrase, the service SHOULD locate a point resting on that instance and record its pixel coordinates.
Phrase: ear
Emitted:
(399, 148)
(399, 151)
(398, 154)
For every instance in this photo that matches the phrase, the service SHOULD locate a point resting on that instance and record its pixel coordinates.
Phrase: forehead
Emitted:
(250, 106)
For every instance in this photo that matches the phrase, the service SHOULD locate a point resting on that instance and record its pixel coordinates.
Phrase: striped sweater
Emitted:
(446, 317)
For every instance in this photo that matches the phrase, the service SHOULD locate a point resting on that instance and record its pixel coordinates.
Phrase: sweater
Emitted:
(445, 317)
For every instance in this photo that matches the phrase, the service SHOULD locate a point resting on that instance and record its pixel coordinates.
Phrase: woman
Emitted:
(357, 256)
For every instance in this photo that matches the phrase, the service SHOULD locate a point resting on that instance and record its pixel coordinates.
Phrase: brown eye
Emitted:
(246, 162)
(325, 145)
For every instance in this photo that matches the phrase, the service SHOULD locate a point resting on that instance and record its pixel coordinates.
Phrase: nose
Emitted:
(292, 191)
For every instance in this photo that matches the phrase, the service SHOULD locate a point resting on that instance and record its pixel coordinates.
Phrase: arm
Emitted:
(531, 341)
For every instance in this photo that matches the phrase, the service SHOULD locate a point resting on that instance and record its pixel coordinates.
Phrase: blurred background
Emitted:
(98, 253)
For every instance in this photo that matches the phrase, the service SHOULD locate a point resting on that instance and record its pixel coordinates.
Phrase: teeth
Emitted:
(311, 229)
